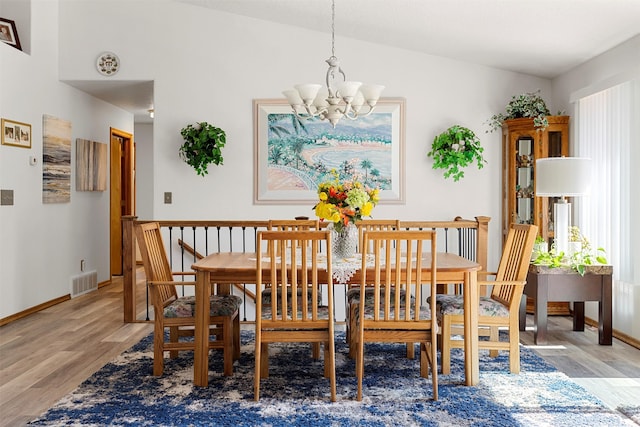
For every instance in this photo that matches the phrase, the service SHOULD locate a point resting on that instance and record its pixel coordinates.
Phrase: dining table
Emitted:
(227, 268)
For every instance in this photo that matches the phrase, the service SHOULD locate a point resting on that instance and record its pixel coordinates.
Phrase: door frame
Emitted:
(122, 199)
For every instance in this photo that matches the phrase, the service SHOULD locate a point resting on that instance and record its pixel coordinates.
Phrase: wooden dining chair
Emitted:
(353, 290)
(499, 310)
(397, 312)
(283, 318)
(294, 225)
(177, 313)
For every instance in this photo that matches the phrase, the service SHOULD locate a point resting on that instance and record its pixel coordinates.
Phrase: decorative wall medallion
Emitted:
(108, 63)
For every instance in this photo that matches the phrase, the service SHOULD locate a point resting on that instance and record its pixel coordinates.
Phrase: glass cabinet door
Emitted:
(525, 162)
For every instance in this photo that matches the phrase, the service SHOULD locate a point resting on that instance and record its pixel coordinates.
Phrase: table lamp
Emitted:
(562, 177)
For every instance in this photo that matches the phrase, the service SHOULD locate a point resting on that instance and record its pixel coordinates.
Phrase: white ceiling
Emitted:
(544, 38)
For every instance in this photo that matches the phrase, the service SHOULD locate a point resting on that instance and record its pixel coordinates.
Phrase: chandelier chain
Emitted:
(333, 28)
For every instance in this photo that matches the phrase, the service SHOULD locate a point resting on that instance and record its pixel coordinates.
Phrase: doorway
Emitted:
(123, 192)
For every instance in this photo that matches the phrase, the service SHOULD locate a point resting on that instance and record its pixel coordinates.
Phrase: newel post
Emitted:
(483, 241)
(129, 268)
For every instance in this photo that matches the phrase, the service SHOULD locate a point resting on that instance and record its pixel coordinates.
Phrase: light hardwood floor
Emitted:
(48, 354)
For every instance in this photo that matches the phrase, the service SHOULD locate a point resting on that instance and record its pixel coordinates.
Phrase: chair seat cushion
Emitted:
(353, 295)
(266, 295)
(425, 311)
(454, 304)
(323, 311)
(219, 305)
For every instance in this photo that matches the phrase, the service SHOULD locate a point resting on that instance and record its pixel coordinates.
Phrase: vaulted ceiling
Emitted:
(544, 38)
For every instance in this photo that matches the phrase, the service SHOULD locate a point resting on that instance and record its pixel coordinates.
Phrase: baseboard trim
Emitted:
(44, 305)
(616, 334)
(34, 309)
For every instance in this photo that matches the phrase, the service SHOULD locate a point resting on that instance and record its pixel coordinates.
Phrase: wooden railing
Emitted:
(188, 241)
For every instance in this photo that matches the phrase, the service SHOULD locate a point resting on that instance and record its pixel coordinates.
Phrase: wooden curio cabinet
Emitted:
(522, 144)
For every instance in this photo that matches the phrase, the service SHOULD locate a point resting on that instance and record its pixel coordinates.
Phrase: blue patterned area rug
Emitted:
(124, 392)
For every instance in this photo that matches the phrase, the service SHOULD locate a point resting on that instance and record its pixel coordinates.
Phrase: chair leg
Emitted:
(331, 361)
(360, 367)
(264, 361)
(257, 374)
(494, 335)
(351, 324)
(236, 337)
(158, 350)
(174, 336)
(514, 348)
(411, 350)
(315, 350)
(446, 345)
(425, 360)
(227, 342)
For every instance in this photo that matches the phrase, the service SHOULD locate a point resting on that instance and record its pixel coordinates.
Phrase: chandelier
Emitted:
(340, 98)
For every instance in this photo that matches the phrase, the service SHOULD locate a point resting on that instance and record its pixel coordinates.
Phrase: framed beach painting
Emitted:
(294, 155)
(56, 160)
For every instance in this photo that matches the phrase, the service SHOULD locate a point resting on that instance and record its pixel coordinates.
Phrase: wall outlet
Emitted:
(167, 198)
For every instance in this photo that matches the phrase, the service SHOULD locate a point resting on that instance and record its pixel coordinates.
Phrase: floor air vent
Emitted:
(83, 283)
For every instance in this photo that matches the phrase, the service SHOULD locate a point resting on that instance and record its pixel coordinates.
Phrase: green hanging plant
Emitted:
(202, 146)
(456, 148)
(528, 104)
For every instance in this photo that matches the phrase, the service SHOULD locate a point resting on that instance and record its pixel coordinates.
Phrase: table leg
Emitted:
(578, 315)
(605, 327)
(540, 310)
(201, 332)
(471, 305)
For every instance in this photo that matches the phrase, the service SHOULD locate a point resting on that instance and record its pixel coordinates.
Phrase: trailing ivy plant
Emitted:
(578, 261)
(454, 149)
(202, 146)
(528, 104)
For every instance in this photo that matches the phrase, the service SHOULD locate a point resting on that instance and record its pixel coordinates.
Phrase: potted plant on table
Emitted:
(578, 260)
(202, 146)
(456, 148)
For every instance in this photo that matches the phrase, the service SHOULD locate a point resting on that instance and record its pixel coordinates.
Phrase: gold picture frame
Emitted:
(15, 133)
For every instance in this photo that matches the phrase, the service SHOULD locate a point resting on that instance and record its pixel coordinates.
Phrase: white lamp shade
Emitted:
(308, 92)
(293, 97)
(562, 176)
(372, 92)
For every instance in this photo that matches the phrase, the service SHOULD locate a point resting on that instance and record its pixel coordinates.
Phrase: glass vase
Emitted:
(344, 242)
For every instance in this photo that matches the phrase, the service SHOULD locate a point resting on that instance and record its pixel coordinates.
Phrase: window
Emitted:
(608, 131)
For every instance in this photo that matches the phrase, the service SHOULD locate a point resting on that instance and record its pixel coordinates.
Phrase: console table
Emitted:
(563, 284)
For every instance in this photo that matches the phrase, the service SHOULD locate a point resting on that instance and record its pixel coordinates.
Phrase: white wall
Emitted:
(42, 245)
(216, 65)
(607, 70)
(207, 65)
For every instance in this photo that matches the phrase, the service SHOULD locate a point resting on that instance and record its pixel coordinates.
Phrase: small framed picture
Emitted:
(16, 133)
(8, 33)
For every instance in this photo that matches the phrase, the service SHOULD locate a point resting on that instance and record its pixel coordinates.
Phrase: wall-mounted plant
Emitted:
(528, 104)
(202, 146)
(456, 148)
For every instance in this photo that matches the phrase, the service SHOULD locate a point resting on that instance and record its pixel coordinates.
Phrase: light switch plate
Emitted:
(167, 198)
(6, 197)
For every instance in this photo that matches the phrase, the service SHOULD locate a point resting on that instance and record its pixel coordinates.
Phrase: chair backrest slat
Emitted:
(155, 261)
(514, 263)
